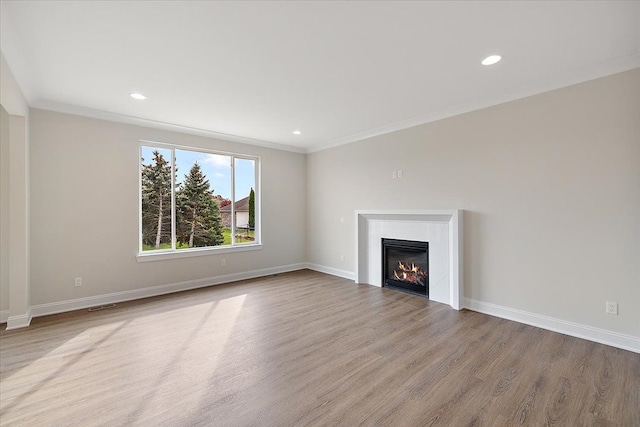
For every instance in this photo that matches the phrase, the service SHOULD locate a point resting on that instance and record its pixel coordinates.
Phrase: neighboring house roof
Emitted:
(242, 205)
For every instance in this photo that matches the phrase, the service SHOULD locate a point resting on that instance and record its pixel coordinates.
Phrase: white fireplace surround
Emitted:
(441, 228)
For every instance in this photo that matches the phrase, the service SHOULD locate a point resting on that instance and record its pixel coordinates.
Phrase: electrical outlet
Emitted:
(394, 174)
(77, 282)
(399, 173)
(612, 307)
(223, 262)
(342, 258)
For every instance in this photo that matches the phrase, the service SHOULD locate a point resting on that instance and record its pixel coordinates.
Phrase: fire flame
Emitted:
(410, 273)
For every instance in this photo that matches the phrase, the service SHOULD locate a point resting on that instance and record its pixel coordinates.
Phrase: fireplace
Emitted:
(442, 228)
(405, 265)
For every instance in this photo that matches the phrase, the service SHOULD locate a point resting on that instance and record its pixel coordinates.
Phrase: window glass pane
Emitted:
(156, 198)
(203, 184)
(205, 203)
(245, 184)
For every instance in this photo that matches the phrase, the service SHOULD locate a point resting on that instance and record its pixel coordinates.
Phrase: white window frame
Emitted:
(173, 253)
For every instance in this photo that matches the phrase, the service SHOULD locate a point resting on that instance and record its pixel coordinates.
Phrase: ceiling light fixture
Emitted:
(492, 59)
(137, 96)
(297, 132)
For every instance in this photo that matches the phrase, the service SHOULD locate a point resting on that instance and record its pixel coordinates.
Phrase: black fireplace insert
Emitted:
(405, 265)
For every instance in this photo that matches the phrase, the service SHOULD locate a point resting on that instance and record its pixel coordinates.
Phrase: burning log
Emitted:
(410, 273)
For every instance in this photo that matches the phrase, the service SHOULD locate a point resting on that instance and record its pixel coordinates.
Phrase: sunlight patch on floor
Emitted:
(191, 362)
(39, 379)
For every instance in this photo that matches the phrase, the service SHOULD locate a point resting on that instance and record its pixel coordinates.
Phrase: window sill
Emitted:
(189, 253)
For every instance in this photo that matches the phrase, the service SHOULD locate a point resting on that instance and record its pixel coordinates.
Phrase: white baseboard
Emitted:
(82, 303)
(19, 321)
(614, 339)
(603, 336)
(330, 270)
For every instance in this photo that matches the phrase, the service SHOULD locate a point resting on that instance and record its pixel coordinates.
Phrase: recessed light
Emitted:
(492, 59)
(297, 132)
(137, 96)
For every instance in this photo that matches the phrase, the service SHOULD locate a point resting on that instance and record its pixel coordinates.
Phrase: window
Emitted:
(193, 199)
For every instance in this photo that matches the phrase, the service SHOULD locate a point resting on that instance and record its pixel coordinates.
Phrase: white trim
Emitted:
(332, 271)
(189, 253)
(20, 321)
(603, 336)
(131, 120)
(173, 146)
(454, 217)
(140, 198)
(172, 253)
(578, 76)
(14, 56)
(569, 79)
(614, 339)
(257, 203)
(152, 291)
(233, 201)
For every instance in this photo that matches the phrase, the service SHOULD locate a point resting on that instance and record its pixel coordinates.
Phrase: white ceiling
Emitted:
(338, 71)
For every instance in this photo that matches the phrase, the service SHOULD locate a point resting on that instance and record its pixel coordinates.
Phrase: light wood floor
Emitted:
(306, 348)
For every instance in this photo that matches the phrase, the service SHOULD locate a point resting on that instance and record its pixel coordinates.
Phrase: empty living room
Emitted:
(314, 213)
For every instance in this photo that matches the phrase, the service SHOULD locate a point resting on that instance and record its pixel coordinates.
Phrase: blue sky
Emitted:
(217, 169)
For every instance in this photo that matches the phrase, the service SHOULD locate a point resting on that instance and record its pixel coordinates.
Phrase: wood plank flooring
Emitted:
(305, 348)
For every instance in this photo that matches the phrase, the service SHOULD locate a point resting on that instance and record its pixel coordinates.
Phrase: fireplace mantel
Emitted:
(389, 224)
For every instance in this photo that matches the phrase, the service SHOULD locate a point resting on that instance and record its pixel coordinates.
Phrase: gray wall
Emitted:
(4, 209)
(550, 186)
(84, 210)
(14, 195)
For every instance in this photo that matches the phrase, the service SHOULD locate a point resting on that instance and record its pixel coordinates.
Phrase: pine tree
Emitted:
(198, 221)
(252, 209)
(156, 201)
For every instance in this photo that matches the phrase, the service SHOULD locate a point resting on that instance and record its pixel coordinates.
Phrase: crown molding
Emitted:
(18, 65)
(596, 71)
(131, 120)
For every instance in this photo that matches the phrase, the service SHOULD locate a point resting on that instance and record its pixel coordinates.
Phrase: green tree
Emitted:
(252, 209)
(156, 201)
(198, 219)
